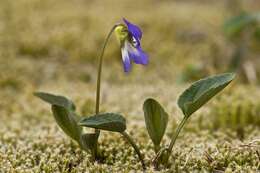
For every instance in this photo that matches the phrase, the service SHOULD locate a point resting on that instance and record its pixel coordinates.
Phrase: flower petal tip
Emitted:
(133, 29)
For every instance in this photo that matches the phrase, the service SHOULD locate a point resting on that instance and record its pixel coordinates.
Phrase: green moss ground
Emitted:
(52, 46)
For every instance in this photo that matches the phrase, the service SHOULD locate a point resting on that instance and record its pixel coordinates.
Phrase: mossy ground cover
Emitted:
(52, 46)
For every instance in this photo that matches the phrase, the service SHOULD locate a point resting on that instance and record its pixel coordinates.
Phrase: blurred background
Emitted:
(187, 39)
(53, 45)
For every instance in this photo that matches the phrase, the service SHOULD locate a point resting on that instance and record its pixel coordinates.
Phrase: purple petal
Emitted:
(126, 59)
(133, 29)
(138, 56)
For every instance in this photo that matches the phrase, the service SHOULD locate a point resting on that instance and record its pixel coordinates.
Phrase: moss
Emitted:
(239, 111)
(65, 36)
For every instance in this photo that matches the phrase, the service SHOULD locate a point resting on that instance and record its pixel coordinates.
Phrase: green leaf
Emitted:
(237, 24)
(257, 33)
(200, 92)
(156, 120)
(56, 100)
(63, 112)
(105, 121)
(67, 120)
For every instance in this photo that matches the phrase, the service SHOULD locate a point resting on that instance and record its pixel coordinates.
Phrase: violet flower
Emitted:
(129, 36)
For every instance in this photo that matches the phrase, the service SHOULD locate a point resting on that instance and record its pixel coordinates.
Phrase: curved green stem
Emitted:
(174, 137)
(130, 140)
(159, 158)
(163, 155)
(100, 68)
(97, 132)
(176, 134)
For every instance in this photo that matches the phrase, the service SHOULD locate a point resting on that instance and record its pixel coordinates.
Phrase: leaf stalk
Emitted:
(130, 140)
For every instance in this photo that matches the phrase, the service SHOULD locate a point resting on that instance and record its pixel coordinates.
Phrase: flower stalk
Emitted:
(97, 132)
(100, 68)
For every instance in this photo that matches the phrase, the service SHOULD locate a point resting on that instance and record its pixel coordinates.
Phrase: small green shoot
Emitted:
(193, 98)
(63, 111)
(156, 120)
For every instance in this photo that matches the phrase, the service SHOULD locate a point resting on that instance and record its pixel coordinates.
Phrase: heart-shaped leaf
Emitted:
(200, 92)
(63, 112)
(56, 100)
(67, 120)
(156, 120)
(105, 121)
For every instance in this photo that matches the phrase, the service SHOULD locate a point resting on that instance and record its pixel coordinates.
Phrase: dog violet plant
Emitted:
(189, 102)
(129, 36)
(156, 118)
